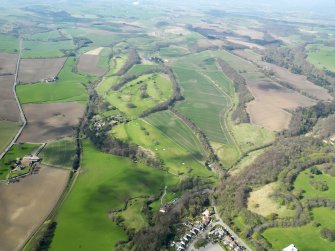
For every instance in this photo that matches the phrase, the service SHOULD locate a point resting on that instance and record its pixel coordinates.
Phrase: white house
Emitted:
(290, 248)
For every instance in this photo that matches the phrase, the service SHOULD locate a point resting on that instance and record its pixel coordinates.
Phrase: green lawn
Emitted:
(158, 90)
(17, 151)
(69, 87)
(40, 49)
(178, 131)
(176, 158)
(7, 132)
(8, 44)
(303, 182)
(59, 153)
(321, 56)
(306, 238)
(105, 182)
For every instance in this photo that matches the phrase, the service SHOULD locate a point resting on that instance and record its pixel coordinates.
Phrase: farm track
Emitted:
(22, 116)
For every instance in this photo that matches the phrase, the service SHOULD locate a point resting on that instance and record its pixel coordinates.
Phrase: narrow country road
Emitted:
(22, 117)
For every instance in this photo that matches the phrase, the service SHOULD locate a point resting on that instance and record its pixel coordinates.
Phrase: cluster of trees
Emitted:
(294, 59)
(304, 119)
(162, 229)
(45, 241)
(240, 114)
(283, 161)
(81, 42)
(328, 234)
(202, 137)
(132, 59)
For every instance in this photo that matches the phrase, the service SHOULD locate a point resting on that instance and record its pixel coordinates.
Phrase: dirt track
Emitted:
(36, 70)
(25, 204)
(50, 121)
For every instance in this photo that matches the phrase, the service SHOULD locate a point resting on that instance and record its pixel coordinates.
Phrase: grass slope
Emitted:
(321, 56)
(105, 183)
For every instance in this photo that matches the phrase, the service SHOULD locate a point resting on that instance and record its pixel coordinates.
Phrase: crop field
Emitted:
(204, 103)
(17, 151)
(306, 237)
(105, 183)
(39, 70)
(7, 63)
(305, 182)
(8, 107)
(50, 121)
(8, 44)
(69, 87)
(140, 94)
(59, 153)
(321, 56)
(178, 131)
(176, 158)
(297, 81)
(26, 204)
(7, 132)
(89, 63)
(39, 49)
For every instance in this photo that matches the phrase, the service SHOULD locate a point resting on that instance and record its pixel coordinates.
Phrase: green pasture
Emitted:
(173, 51)
(40, 49)
(16, 151)
(178, 131)
(8, 130)
(45, 36)
(70, 86)
(116, 64)
(9, 44)
(105, 183)
(104, 58)
(158, 90)
(176, 158)
(133, 216)
(307, 237)
(141, 68)
(303, 182)
(321, 56)
(59, 153)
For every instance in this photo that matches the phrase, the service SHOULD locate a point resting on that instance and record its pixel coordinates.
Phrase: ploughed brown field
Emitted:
(296, 81)
(27, 203)
(8, 107)
(7, 63)
(38, 70)
(50, 121)
(271, 104)
(88, 63)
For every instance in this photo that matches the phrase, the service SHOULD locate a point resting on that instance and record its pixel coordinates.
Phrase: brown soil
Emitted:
(50, 121)
(8, 106)
(88, 64)
(271, 104)
(7, 63)
(27, 203)
(38, 70)
(298, 82)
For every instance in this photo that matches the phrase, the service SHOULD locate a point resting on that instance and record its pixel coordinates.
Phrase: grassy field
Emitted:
(7, 132)
(105, 183)
(141, 68)
(104, 58)
(158, 89)
(178, 131)
(70, 86)
(45, 36)
(176, 158)
(249, 136)
(40, 49)
(116, 64)
(59, 153)
(133, 216)
(17, 151)
(307, 237)
(8, 44)
(321, 56)
(303, 182)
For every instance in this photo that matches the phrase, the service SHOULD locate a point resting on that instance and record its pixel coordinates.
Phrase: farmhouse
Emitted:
(290, 248)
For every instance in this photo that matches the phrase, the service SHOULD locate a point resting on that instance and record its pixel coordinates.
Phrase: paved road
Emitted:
(23, 118)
